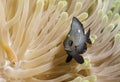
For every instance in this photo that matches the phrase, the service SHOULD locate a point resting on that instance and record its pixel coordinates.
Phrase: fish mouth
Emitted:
(67, 48)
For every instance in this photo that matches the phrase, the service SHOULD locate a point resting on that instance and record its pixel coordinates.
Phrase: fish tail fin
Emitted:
(79, 59)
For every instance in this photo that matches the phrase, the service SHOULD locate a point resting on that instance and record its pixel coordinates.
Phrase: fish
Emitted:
(76, 41)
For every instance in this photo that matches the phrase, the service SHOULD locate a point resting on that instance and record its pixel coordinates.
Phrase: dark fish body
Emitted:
(75, 42)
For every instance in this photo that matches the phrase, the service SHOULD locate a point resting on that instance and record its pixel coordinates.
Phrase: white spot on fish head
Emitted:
(68, 35)
(78, 31)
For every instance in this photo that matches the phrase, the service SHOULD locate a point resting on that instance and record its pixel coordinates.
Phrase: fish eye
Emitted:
(70, 42)
(75, 47)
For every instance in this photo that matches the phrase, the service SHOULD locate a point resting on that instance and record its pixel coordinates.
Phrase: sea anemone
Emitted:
(32, 34)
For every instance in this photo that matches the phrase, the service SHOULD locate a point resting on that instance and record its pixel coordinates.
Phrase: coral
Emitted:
(32, 34)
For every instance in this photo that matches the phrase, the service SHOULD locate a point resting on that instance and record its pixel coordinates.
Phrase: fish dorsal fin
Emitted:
(88, 37)
(88, 33)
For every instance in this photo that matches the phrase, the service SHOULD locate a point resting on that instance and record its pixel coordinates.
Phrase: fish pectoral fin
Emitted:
(69, 58)
(81, 48)
(79, 59)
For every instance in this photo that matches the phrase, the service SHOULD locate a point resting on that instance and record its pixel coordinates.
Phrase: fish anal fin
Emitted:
(69, 58)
